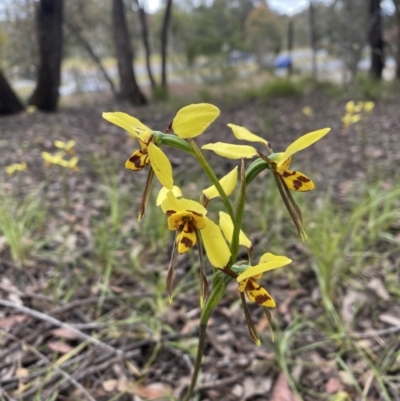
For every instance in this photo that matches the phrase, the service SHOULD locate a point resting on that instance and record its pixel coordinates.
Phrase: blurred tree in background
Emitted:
(263, 31)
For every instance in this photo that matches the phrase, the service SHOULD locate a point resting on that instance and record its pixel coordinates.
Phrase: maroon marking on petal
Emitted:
(189, 228)
(136, 160)
(260, 299)
(303, 179)
(195, 213)
(170, 212)
(287, 174)
(187, 242)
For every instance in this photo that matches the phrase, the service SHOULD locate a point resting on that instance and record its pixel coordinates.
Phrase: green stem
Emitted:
(217, 292)
(210, 172)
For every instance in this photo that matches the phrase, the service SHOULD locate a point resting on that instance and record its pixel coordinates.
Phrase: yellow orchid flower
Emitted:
(295, 180)
(71, 163)
(368, 106)
(349, 119)
(188, 217)
(66, 146)
(353, 108)
(247, 279)
(57, 158)
(149, 154)
(189, 122)
(12, 168)
(307, 111)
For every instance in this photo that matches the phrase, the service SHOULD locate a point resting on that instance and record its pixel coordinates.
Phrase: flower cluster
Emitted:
(189, 219)
(354, 112)
(58, 158)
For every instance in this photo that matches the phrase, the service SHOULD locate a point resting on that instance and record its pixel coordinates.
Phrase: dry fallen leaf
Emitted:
(64, 333)
(282, 391)
(9, 322)
(58, 346)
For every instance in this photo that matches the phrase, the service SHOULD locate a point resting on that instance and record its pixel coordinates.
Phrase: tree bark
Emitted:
(49, 26)
(397, 16)
(375, 39)
(129, 88)
(9, 102)
(75, 30)
(290, 36)
(145, 39)
(164, 43)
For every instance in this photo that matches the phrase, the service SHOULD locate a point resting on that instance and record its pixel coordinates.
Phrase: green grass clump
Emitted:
(281, 87)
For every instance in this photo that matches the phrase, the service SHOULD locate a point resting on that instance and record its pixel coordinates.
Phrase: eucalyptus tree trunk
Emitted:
(49, 28)
(397, 17)
(9, 102)
(164, 44)
(375, 39)
(129, 88)
(145, 39)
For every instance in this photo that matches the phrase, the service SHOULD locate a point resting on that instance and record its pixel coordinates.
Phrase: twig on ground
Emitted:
(56, 322)
(68, 377)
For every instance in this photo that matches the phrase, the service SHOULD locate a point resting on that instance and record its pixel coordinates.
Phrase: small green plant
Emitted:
(19, 221)
(193, 228)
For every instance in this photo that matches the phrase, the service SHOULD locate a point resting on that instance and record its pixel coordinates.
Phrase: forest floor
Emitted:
(83, 310)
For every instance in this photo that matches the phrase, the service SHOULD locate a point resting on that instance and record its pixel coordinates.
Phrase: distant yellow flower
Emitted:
(247, 279)
(12, 168)
(65, 146)
(349, 119)
(307, 111)
(368, 106)
(31, 109)
(58, 159)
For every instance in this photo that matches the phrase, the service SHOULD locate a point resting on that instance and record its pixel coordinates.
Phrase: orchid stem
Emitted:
(215, 296)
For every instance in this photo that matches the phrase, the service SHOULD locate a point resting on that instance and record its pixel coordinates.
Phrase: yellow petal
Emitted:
(307, 111)
(214, 243)
(228, 183)
(137, 160)
(350, 107)
(186, 239)
(303, 142)
(193, 120)
(244, 134)
(162, 194)
(263, 267)
(225, 222)
(259, 295)
(181, 205)
(130, 124)
(161, 166)
(368, 106)
(231, 151)
(297, 181)
(270, 257)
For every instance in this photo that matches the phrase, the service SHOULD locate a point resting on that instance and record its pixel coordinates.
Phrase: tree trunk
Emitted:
(145, 39)
(397, 55)
(9, 103)
(313, 45)
(129, 88)
(375, 39)
(77, 31)
(164, 43)
(49, 26)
